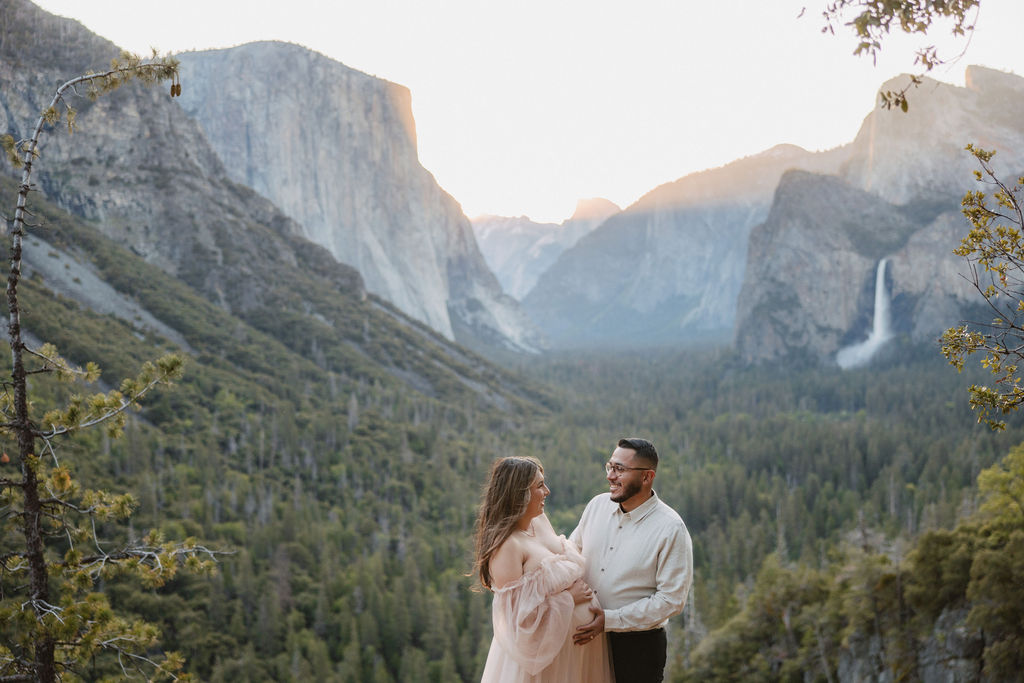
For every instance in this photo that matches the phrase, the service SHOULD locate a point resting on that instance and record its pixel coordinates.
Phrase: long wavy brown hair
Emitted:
(505, 498)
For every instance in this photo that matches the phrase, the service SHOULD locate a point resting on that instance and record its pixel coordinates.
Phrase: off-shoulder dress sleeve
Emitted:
(532, 615)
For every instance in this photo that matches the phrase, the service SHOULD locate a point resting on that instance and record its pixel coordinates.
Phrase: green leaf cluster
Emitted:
(873, 21)
(994, 252)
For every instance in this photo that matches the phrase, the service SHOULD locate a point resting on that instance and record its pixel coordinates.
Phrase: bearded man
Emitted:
(639, 563)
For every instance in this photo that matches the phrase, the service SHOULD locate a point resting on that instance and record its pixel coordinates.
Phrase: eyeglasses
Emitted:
(615, 467)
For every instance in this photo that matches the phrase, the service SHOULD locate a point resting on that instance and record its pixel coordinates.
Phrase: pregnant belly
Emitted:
(581, 614)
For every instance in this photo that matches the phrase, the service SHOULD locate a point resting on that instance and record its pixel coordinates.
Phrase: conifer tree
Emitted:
(54, 622)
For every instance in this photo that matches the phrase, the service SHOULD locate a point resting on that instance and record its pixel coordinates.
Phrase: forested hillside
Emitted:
(332, 450)
(338, 466)
(346, 498)
(761, 459)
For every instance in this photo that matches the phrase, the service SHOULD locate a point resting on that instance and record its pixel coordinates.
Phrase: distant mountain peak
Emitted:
(781, 150)
(518, 250)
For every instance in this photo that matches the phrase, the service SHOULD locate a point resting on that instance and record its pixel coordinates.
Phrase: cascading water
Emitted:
(859, 354)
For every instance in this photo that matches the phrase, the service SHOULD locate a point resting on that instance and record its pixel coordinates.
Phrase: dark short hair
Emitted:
(644, 450)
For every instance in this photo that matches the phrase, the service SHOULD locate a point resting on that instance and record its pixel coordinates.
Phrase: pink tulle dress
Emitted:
(534, 620)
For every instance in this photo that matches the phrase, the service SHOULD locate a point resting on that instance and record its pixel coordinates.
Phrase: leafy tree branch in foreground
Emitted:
(54, 623)
(873, 21)
(994, 250)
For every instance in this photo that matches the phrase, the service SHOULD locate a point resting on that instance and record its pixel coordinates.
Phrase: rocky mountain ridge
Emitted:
(918, 156)
(777, 253)
(667, 270)
(671, 269)
(519, 250)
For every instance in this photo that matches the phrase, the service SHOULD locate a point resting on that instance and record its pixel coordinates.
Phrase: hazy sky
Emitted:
(524, 106)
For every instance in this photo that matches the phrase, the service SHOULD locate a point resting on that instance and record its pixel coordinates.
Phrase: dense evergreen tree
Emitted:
(53, 620)
(349, 513)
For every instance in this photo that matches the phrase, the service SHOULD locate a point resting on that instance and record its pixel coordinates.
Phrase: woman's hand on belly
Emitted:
(581, 593)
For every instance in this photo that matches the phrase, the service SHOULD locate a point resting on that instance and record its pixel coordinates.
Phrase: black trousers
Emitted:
(638, 656)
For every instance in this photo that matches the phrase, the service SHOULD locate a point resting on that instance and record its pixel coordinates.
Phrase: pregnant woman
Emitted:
(535, 575)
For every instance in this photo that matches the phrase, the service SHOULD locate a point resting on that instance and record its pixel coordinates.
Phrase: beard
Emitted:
(626, 491)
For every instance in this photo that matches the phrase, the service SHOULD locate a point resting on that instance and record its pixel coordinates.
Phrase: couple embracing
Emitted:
(591, 608)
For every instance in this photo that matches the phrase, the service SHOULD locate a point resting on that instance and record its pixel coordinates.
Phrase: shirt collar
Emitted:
(640, 511)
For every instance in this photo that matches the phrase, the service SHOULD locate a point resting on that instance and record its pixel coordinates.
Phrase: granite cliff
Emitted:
(140, 169)
(918, 156)
(336, 151)
(787, 268)
(810, 290)
(809, 283)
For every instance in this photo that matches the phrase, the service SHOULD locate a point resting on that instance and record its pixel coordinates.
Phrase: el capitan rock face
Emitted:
(140, 169)
(336, 150)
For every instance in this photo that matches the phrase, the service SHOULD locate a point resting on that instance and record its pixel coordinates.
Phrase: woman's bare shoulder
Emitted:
(507, 562)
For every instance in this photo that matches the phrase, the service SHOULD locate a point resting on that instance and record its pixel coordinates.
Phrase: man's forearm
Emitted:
(644, 614)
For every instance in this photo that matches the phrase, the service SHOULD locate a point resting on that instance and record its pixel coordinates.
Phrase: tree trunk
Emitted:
(39, 583)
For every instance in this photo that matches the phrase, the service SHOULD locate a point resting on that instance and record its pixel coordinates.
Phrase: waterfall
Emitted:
(859, 354)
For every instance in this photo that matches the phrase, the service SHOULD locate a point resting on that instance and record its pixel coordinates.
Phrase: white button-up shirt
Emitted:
(640, 563)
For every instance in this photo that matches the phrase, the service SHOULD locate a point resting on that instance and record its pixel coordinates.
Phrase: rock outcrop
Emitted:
(336, 150)
(951, 652)
(519, 250)
(919, 157)
(810, 288)
(683, 265)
